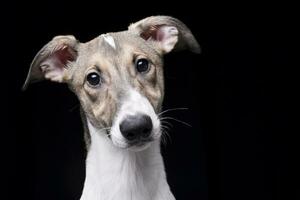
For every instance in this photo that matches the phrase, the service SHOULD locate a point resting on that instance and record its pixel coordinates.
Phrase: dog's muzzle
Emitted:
(136, 129)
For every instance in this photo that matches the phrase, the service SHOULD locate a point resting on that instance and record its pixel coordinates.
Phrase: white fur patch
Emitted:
(113, 173)
(133, 104)
(110, 40)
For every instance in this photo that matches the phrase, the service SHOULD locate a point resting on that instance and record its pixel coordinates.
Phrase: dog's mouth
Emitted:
(140, 146)
(140, 142)
(137, 144)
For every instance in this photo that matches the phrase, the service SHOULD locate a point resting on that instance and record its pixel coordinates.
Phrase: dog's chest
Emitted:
(112, 174)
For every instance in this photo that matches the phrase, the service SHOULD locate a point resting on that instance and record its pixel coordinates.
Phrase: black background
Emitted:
(238, 91)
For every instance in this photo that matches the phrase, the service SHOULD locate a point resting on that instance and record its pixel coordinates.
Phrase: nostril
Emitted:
(130, 135)
(146, 132)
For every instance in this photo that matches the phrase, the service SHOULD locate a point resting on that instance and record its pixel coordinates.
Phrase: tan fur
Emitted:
(118, 74)
(116, 66)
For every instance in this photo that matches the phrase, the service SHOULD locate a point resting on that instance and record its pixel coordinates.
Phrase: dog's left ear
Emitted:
(167, 33)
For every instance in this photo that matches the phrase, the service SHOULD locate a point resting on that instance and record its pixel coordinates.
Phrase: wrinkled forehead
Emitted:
(117, 45)
(111, 51)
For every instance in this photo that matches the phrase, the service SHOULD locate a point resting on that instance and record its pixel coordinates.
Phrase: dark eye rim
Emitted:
(100, 79)
(148, 62)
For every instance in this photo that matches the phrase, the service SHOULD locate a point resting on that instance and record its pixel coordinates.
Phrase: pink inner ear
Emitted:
(59, 58)
(160, 34)
(150, 33)
(64, 55)
(54, 65)
(166, 36)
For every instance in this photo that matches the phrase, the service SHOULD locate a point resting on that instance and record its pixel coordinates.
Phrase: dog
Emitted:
(118, 79)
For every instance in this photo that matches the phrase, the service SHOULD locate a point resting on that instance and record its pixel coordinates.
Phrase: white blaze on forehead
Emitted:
(110, 40)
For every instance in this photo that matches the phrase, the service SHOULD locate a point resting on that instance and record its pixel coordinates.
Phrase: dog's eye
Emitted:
(93, 79)
(142, 65)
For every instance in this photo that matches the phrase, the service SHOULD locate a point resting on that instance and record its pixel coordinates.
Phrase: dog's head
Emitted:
(118, 77)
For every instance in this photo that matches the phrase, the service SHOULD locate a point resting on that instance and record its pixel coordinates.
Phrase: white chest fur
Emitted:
(118, 174)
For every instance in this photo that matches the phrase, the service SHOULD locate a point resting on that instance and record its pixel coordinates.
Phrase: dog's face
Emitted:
(118, 77)
(120, 85)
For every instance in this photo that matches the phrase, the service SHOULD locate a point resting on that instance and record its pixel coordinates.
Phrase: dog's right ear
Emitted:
(51, 62)
(167, 33)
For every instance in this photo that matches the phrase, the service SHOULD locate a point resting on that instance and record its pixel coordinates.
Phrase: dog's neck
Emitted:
(119, 174)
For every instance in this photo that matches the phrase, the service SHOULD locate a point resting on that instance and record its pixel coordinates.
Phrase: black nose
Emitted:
(136, 127)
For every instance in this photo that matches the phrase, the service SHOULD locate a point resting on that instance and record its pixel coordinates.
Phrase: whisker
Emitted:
(166, 136)
(171, 109)
(166, 123)
(165, 127)
(163, 140)
(185, 123)
(105, 128)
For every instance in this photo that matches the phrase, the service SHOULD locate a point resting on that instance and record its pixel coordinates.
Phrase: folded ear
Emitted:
(167, 32)
(52, 60)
